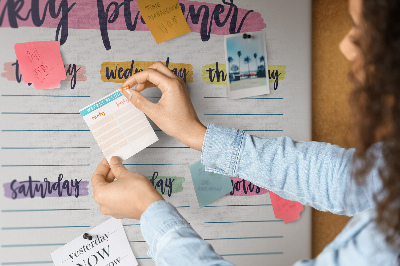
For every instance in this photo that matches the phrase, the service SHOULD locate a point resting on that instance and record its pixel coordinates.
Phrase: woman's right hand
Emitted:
(173, 113)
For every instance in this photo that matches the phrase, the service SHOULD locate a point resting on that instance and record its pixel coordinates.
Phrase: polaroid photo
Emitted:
(247, 66)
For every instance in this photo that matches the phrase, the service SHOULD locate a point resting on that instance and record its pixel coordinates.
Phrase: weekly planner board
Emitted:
(44, 141)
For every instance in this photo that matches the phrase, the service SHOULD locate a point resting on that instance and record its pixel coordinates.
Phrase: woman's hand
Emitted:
(174, 113)
(127, 197)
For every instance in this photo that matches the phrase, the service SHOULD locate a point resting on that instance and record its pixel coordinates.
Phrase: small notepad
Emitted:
(118, 126)
(108, 246)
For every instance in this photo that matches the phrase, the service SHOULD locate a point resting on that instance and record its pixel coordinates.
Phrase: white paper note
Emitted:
(109, 246)
(118, 126)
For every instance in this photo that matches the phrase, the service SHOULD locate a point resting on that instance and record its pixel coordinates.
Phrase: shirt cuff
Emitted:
(222, 148)
(158, 219)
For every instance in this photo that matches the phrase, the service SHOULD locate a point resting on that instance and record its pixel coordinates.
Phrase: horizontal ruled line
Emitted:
(243, 114)
(44, 227)
(33, 245)
(137, 241)
(130, 224)
(44, 130)
(26, 113)
(272, 130)
(56, 96)
(154, 163)
(40, 165)
(238, 205)
(235, 238)
(168, 147)
(245, 98)
(41, 148)
(251, 254)
(26, 262)
(44, 210)
(232, 222)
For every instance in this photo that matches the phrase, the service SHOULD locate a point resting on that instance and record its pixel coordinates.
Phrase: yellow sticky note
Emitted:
(164, 18)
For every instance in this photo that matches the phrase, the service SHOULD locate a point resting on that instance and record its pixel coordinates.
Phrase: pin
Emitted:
(246, 36)
(87, 236)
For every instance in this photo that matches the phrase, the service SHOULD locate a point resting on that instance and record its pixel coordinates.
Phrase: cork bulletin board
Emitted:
(331, 89)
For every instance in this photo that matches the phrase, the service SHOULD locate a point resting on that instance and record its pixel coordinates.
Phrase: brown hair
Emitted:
(375, 101)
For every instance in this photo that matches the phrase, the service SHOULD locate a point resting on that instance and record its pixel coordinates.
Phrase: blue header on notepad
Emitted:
(101, 103)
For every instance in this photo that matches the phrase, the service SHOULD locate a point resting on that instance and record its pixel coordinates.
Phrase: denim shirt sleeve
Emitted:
(172, 240)
(312, 173)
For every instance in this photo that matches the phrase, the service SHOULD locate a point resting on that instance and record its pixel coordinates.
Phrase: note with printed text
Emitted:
(164, 18)
(108, 246)
(118, 126)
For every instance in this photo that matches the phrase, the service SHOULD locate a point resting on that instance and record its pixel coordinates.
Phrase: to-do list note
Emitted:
(118, 126)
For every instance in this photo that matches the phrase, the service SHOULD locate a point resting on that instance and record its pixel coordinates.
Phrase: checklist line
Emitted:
(32, 245)
(41, 165)
(26, 262)
(41, 148)
(243, 114)
(236, 238)
(232, 222)
(260, 98)
(44, 130)
(44, 210)
(252, 254)
(56, 96)
(44, 227)
(26, 113)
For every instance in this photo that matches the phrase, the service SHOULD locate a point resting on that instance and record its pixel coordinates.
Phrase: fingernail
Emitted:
(124, 88)
(115, 160)
(127, 94)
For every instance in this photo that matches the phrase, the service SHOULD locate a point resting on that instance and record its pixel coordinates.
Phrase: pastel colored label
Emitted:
(118, 72)
(167, 185)
(215, 73)
(204, 18)
(74, 73)
(34, 188)
(243, 187)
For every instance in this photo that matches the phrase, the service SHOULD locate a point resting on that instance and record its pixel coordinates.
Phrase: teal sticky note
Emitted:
(209, 186)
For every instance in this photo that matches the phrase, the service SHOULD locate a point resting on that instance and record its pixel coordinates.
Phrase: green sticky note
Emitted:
(209, 186)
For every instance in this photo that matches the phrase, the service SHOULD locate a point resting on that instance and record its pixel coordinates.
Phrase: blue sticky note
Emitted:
(209, 186)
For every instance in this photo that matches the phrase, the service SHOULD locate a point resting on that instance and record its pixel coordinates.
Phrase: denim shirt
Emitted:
(312, 173)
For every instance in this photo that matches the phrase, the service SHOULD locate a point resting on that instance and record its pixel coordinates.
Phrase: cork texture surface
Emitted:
(331, 89)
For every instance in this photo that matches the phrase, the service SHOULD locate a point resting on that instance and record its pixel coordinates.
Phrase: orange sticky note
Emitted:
(41, 63)
(288, 211)
(164, 18)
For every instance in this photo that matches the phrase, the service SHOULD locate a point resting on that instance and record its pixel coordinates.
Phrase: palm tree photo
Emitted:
(239, 53)
(230, 60)
(255, 60)
(247, 60)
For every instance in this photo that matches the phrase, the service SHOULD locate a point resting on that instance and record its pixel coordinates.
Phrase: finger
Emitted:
(117, 167)
(140, 102)
(110, 177)
(142, 86)
(160, 67)
(100, 174)
(158, 79)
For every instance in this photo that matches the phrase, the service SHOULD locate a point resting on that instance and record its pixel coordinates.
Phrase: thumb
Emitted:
(117, 167)
(138, 100)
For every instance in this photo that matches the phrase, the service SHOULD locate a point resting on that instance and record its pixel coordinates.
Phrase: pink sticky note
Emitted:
(41, 63)
(286, 210)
